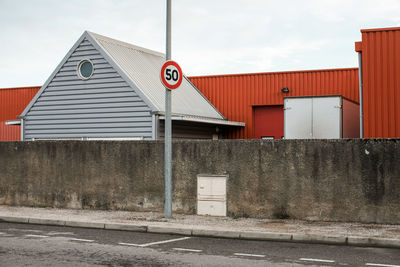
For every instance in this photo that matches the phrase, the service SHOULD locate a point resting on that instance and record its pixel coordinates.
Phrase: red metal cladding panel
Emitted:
(9, 132)
(268, 122)
(350, 119)
(381, 82)
(235, 95)
(12, 102)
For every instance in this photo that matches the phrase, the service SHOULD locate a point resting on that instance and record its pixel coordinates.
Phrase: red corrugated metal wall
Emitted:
(381, 82)
(350, 119)
(12, 102)
(235, 95)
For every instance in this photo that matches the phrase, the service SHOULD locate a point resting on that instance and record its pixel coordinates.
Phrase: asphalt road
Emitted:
(38, 245)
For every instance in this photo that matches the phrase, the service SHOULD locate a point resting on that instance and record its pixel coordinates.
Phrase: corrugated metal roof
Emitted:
(204, 120)
(143, 67)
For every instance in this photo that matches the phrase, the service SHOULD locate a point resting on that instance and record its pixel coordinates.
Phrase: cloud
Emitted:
(208, 37)
(247, 59)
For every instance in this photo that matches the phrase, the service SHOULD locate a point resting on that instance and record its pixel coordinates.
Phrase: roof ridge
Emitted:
(124, 44)
(380, 29)
(140, 67)
(21, 87)
(271, 73)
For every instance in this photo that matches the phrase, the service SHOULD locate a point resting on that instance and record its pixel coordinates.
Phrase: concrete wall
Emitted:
(339, 180)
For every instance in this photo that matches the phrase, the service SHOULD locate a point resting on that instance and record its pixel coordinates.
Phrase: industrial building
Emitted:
(235, 106)
(110, 90)
(258, 98)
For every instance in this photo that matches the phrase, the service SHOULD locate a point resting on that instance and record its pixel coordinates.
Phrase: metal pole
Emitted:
(22, 130)
(360, 81)
(168, 127)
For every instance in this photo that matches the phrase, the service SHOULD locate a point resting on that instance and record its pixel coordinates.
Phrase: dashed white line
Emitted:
(188, 249)
(2, 233)
(36, 235)
(129, 244)
(154, 243)
(381, 265)
(25, 230)
(60, 233)
(316, 260)
(80, 239)
(249, 255)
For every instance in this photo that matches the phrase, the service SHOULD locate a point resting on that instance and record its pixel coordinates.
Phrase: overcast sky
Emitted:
(208, 36)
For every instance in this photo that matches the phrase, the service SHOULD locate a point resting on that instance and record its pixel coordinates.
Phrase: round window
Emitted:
(85, 69)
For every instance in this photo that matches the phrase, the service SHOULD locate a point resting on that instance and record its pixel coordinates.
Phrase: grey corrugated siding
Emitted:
(103, 106)
(188, 130)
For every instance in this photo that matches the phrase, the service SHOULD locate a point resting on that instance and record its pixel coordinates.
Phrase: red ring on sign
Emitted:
(164, 81)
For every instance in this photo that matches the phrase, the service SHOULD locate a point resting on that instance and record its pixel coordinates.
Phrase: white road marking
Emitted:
(36, 235)
(188, 249)
(80, 239)
(129, 244)
(249, 255)
(381, 265)
(155, 243)
(317, 260)
(60, 233)
(2, 233)
(25, 230)
(165, 241)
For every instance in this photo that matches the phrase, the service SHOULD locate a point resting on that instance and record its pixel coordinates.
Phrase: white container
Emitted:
(211, 194)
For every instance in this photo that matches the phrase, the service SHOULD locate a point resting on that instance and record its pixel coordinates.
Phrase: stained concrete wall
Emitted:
(337, 180)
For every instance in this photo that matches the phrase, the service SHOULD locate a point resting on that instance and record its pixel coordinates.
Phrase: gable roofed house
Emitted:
(108, 89)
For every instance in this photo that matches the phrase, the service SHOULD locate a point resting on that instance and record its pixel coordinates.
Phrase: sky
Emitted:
(208, 36)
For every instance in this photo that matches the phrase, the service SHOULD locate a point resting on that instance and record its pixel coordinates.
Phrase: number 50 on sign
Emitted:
(171, 75)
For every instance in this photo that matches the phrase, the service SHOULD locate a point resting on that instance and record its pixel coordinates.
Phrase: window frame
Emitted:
(78, 69)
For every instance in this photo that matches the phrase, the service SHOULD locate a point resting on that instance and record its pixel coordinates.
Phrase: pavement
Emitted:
(335, 233)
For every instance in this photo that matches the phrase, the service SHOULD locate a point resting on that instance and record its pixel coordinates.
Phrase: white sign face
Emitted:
(171, 75)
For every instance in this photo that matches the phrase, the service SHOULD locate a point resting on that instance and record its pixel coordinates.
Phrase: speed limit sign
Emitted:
(171, 75)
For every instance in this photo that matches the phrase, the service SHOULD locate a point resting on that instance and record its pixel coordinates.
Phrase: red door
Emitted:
(268, 122)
